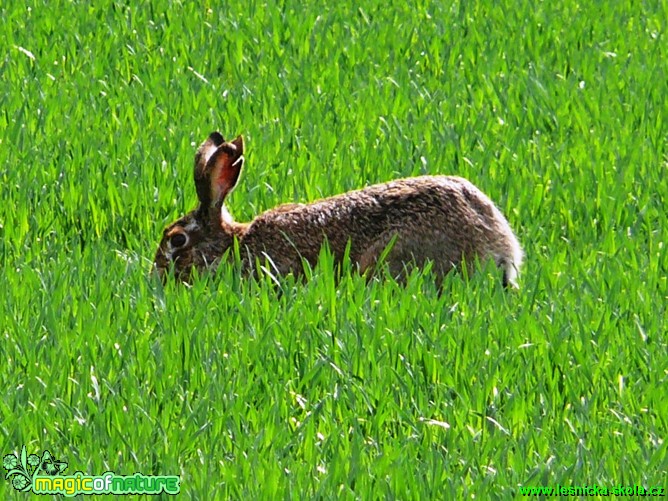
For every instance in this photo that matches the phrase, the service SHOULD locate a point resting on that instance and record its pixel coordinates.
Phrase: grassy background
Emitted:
(556, 109)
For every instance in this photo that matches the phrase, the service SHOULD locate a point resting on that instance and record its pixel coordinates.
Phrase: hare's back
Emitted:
(444, 196)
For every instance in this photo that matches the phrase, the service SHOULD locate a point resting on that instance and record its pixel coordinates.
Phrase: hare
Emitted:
(442, 219)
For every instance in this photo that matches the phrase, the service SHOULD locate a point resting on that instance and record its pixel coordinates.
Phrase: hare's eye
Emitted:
(178, 240)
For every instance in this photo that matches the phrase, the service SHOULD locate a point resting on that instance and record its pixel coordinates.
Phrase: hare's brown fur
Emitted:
(442, 219)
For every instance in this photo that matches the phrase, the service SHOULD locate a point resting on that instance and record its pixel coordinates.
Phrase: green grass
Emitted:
(331, 389)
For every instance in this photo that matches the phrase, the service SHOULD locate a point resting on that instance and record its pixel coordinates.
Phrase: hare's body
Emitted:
(440, 219)
(431, 218)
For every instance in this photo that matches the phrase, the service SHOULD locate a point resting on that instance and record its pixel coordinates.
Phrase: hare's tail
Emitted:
(511, 263)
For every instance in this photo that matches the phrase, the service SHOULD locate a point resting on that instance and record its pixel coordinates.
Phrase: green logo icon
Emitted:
(44, 475)
(23, 470)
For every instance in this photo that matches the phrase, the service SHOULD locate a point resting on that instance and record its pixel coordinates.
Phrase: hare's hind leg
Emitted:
(388, 251)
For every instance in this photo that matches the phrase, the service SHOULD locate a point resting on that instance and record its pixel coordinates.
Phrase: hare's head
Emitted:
(199, 239)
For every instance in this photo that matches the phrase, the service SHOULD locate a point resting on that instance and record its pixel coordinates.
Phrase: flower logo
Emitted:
(24, 468)
(9, 462)
(33, 460)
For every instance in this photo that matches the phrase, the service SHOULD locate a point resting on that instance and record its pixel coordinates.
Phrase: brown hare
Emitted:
(442, 219)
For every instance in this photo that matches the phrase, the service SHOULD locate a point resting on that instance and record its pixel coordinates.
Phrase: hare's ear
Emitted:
(220, 174)
(204, 152)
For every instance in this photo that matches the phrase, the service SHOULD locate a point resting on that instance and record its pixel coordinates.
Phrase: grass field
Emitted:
(326, 389)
